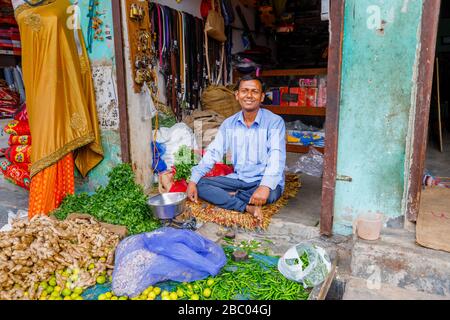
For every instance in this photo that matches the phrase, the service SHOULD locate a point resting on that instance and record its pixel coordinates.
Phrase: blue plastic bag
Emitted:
(164, 254)
(158, 150)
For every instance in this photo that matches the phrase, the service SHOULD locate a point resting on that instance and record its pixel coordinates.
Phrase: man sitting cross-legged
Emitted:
(255, 139)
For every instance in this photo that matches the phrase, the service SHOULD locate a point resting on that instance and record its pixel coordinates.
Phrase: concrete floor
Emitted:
(12, 197)
(305, 208)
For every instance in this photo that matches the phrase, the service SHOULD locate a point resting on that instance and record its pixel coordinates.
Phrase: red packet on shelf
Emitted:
(311, 97)
(294, 96)
(302, 97)
(283, 92)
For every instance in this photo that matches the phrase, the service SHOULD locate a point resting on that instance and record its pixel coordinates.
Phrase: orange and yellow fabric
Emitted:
(51, 185)
(60, 101)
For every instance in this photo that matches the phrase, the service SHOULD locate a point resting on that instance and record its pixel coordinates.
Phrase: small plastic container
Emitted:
(368, 226)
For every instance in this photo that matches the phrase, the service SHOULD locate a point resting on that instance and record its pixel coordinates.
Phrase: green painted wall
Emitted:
(103, 69)
(379, 59)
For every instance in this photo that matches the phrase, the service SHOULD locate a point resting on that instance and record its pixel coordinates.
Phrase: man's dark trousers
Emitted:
(216, 191)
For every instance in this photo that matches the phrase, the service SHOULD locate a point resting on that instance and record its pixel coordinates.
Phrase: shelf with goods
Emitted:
(296, 110)
(294, 72)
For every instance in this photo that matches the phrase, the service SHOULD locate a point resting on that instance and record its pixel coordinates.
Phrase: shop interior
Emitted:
(438, 149)
(285, 43)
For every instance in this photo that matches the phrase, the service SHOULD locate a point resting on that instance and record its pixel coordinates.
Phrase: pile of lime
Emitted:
(50, 290)
(200, 290)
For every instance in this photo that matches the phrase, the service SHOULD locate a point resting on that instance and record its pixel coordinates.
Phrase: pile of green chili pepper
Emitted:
(251, 279)
(305, 260)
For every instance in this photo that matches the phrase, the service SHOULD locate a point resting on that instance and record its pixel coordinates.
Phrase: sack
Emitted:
(207, 123)
(313, 272)
(164, 254)
(221, 100)
(215, 25)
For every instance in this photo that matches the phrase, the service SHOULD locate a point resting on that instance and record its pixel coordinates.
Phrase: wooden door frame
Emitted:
(332, 117)
(121, 81)
(428, 37)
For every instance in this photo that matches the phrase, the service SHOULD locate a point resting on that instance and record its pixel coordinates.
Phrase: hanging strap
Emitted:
(161, 34)
(208, 67)
(222, 54)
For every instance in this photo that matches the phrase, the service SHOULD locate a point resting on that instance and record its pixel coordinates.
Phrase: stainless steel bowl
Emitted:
(168, 205)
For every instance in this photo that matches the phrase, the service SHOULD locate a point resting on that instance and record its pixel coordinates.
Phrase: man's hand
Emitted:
(192, 192)
(260, 196)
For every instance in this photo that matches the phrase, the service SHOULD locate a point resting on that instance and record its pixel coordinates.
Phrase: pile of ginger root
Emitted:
(33, 251)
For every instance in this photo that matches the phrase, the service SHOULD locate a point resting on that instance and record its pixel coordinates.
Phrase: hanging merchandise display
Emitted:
(215, 25)
(140, 38)
(179, 49)
(171, 43)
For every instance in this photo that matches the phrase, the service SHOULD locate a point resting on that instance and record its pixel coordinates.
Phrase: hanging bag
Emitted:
(216, 97)
(215, 25)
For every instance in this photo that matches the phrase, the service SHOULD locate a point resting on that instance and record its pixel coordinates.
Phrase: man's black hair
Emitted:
(250, 77)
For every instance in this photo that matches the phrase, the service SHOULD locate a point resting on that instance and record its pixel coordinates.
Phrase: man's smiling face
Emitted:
(250, 95)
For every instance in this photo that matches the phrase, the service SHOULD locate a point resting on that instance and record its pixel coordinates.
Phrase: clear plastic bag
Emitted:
(305, 263)
(310, 163)
(300, 126)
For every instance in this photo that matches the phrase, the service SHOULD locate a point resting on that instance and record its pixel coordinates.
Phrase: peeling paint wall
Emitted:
(104, 77)
(379, 58)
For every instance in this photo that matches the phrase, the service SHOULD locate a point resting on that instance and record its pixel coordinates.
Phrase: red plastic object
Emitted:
(179, 186)
(205, 6)
(220, 169)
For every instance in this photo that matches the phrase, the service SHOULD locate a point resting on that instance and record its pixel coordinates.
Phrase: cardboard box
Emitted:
(433, 222)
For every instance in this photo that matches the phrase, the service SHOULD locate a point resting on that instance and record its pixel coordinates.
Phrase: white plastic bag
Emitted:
(147, 105)
(314, 273)
(173, 138)
(20, 215)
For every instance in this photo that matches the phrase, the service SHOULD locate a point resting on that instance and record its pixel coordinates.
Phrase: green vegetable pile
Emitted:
(121, 202)
(305, 260)
(251, 279)
(167, 121)
(185, 160)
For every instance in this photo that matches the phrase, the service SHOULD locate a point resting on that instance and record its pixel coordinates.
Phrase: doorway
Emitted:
(320, 54)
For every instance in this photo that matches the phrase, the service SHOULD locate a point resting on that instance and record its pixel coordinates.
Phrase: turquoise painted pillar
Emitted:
(380, 52)
(102, 59)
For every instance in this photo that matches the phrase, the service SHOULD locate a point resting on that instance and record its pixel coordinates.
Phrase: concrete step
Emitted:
(398, 261)
(361, 289)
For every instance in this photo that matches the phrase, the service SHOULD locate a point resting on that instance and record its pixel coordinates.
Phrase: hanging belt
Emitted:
(160, 35)
(174, 63)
